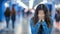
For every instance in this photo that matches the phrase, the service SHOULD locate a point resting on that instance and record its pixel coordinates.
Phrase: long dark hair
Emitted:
(7, 12)
(46, 12)
(13, 9)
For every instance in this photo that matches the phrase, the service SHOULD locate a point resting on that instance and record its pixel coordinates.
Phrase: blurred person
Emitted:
(7, 14)
(13, 16)
(41, 22)
(57, 15)
(23, 12)
(18, 13)
(29, 13)
(57, 19)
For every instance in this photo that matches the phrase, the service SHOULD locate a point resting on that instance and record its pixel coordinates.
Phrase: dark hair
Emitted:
(13, 9)
(46, 12)
(7, 12)
(7, 9)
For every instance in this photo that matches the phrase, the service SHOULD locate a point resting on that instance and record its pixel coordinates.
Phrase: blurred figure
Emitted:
(57, 18)
(13, 16)
(19, 13)
(57, 15)
(29, 13)
(23, 12)
(7, 16)
(41, 22)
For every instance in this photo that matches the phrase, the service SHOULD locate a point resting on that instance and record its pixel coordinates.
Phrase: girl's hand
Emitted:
(39, 20)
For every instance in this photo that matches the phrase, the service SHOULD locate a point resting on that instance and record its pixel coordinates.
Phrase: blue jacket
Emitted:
(34, 30)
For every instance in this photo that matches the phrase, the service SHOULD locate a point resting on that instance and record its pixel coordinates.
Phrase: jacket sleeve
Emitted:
(46, 29)
(51, 26)
(31, 26)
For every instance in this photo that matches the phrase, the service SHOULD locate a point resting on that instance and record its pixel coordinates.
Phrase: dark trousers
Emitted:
(7, 21)
(13, 21)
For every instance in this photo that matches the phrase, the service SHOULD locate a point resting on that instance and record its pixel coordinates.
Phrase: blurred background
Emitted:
(24, 12)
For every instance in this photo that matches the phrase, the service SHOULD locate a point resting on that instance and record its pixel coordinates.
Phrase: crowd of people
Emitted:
(57, 18)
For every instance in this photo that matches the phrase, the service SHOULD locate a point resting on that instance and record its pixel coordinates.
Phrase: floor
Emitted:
(22, 26)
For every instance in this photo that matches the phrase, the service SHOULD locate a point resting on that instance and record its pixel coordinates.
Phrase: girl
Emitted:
(7, 16)
(13, 16)
(41, 22)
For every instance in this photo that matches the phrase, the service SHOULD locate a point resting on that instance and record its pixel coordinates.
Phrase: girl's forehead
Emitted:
(40, 11)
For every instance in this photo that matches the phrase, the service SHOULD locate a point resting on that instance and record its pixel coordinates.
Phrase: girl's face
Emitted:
(41, 14)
